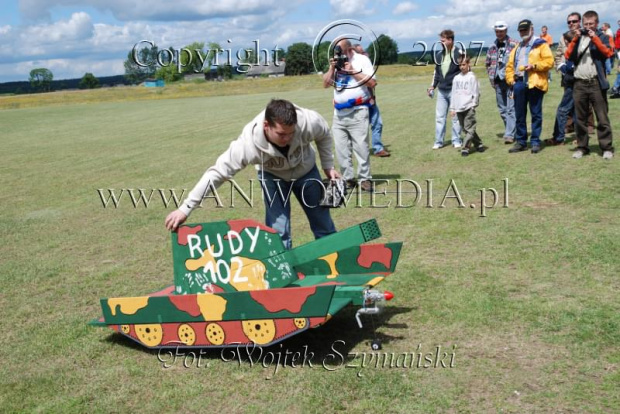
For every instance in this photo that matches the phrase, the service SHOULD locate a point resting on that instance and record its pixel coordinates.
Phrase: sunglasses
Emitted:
(572, 21)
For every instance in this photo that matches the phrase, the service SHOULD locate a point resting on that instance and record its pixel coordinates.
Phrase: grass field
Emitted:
(525, 300)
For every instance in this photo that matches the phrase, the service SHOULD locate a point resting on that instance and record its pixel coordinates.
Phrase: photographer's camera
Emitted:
(340, 58)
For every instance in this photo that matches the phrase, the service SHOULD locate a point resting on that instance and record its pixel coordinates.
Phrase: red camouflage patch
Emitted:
(374, 253)
(185, 231)
(289, 299)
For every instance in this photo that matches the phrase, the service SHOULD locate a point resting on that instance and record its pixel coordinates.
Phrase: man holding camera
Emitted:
(587, 52)
(351, 74)
(277, 141)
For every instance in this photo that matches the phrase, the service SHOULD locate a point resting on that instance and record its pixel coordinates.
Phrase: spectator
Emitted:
(376, 122)
(465, 97)
(497, 58)
(527, 70)
(566, 108)
(547, 38)
(588, 53)
(351, 75)
(606, 28)
(446, 69)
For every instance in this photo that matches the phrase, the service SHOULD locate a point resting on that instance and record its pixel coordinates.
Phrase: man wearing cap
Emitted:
(588, 51)
(497, 57)
(527, 72)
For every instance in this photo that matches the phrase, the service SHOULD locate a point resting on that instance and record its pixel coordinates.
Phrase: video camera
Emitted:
(340, 58)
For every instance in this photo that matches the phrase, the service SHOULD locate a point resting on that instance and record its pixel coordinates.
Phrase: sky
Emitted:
(73, 37)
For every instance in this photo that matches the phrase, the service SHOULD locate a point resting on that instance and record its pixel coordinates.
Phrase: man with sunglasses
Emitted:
(566, 108)
(588, 51)
(497, 58)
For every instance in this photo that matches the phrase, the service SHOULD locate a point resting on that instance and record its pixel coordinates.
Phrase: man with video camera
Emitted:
(351, 75)
(587, 52)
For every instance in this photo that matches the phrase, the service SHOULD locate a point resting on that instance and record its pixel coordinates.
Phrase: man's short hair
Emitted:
(590, 14)
(280, 111)
(574, 14)
(448, 34)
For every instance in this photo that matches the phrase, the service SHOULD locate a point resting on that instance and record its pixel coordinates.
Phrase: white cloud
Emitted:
(404, 8)
(153, 10)
(350, 8)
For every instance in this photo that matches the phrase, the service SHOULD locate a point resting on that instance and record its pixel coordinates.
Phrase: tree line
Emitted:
(171, 65)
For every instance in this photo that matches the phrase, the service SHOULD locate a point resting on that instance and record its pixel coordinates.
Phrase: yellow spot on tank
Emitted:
(195, 264)
(251, 276)
(376, 280)
(331, 261)
(211, 306)
(129, 306)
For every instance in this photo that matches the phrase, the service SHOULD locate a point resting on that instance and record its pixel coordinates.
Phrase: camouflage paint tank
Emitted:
(235, 284)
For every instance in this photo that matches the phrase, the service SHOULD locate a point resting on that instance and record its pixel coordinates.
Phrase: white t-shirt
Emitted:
(349, 90)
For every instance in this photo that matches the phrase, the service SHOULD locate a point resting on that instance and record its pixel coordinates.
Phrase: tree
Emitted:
(141, 66)
(387, 48)
(41, 79)
(168, 73)
(322, 57)
(299, 59)
(89, 81)
(191, 62)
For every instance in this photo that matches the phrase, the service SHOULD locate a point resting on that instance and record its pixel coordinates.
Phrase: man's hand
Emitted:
(332, 174)
(452, 113)
(174, 220)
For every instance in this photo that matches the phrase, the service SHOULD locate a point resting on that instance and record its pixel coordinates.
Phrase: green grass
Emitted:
(528, 294)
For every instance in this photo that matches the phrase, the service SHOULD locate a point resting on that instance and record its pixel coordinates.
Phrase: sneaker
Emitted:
(607, 155)
(481, 148)
(382, 153)
(509, 140)
(437, 146)
(578, 154)
(535, 149)
(464, 152)
(517, 148)
(366, 185)
(457, 145)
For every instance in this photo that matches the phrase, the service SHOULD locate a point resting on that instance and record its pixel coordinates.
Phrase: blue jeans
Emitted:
(617, 82)
(309, 192)
(376, 127)
(441, 113)
(533, 98)
(506, 106)
(565, 108)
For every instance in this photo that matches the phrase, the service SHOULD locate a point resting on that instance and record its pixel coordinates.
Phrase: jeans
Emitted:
(565, 108)
(309, 192)
(376, 128)
(506, 106)
(441, 113)
(533, 98)
(617, 82)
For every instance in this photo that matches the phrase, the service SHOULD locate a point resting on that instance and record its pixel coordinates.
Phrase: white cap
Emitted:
(500, 25)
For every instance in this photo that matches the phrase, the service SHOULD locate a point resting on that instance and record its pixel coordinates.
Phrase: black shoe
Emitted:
(517, 148)
(464, 153)
(351, 184)
(481, 148)
(615, 96)
(535, 149)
